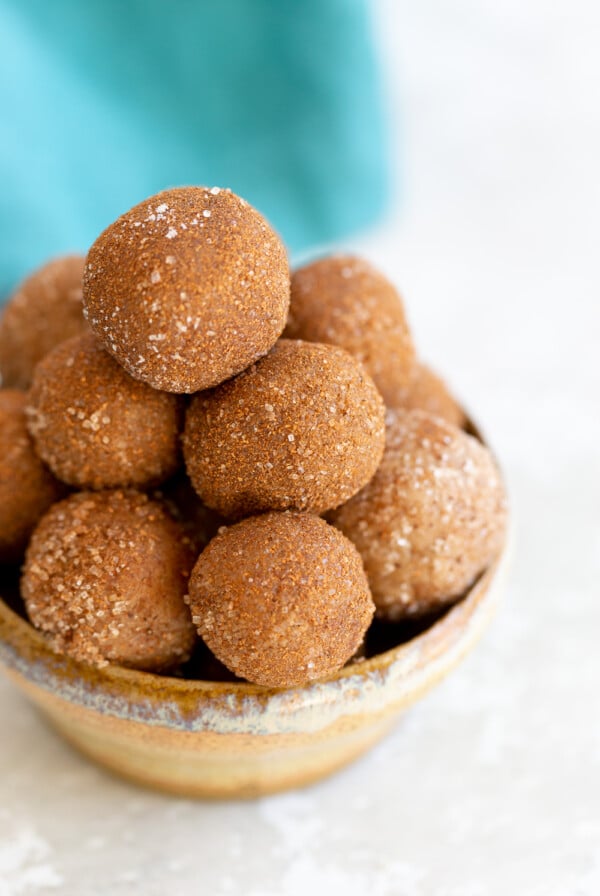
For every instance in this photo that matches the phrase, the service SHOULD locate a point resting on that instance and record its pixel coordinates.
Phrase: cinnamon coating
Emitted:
(97, 427)
(281, 599)
(27, 487)
(187, 288)
(430, 521)
(343, 300)
(302, 429)
(105, 577)
(428, 392)
(45, 310)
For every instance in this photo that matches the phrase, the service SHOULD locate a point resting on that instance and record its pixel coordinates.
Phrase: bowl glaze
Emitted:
(211, 739)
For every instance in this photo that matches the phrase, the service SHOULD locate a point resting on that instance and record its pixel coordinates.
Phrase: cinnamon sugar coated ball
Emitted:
(302, 429)
(187, 288)
(428, 392)
(344, 301)
(431, 519)
(27, 488)
(281, 599)
(45, 310)
(97, 427)
(105, 578)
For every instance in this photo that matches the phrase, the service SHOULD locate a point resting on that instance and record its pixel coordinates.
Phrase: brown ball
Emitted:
(344, 301)
(430, 521)
(428, 392)
(302, 429)
(281, 599)
(27, 488)
(97, 427)
(105, 577)
(45, 310)
(187, 288)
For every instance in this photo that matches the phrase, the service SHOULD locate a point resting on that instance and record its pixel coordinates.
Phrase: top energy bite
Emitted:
(187, 288)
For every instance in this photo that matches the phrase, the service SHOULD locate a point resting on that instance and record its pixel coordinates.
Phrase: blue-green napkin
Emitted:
(103, 102)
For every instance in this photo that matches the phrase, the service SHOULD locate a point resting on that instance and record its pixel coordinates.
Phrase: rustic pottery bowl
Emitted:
(232, 739)
(211, 739)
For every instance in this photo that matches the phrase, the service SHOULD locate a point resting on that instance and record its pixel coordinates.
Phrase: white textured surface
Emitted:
(491, 785)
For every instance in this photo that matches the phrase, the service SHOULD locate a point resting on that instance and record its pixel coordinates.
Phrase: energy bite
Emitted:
(45, 309)
(27, 488)
(428, 392)
(431, 519)
(301, 429)
(105, 577)
(187, 288)
(281, 599)
(344, 301)
(97, 427)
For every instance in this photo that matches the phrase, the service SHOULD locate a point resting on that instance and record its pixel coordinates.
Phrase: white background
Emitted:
(491, 785)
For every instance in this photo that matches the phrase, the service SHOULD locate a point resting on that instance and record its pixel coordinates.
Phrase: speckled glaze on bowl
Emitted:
(208, 739)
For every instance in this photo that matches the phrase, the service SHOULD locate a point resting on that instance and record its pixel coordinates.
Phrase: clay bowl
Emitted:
(232, 739)
(229, 739)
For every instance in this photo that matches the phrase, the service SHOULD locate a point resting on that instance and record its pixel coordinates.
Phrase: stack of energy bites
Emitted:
(192, 445)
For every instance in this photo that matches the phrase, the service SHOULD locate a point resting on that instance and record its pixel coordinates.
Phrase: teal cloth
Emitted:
(104, 102)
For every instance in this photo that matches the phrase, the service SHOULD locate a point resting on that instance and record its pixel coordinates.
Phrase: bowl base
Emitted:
(220, 774)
